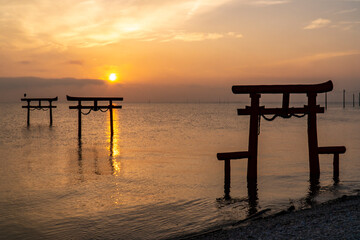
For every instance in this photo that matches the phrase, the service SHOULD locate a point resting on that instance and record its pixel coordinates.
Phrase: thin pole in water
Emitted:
(51, 118)
(353, 100)
(326, 100)
(79, 119)
(28, 113)
(312, 137)
(111, 118)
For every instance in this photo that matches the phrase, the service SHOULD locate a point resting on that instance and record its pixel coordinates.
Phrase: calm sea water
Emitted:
(158, 177)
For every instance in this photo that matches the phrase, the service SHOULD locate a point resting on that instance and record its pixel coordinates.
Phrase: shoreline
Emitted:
(335, 219)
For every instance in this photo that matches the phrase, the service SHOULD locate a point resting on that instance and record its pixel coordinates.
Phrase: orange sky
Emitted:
(213, 43)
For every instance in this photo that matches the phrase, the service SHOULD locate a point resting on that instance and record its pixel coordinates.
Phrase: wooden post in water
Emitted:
(28, 112)
(252, 197)
(312, 136)
(111, 118)
(353, 100)
(336, 166)
(326, 100)
(227, 179)
(51, 118)
(79, 118)
(253, 136)
(344, 98)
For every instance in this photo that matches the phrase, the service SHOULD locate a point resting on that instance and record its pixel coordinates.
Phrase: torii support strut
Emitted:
(39, 106)
(256, 111)
(95, 107)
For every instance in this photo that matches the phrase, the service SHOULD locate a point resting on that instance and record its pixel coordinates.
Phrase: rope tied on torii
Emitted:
(283, 116)
(93, 110)
(286, 116)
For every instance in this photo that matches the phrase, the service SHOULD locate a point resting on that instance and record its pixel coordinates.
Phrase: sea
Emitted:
(158, 176)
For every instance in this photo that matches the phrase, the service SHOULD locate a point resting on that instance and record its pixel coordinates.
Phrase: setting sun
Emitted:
(112, 77)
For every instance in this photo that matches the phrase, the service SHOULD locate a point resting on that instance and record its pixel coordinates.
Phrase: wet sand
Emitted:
(335, 219)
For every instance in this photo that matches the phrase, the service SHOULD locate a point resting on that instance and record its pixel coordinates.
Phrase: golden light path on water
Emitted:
(114, 157)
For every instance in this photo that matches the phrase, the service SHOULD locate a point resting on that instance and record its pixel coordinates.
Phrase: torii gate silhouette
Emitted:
(95, 107)
(255, 111)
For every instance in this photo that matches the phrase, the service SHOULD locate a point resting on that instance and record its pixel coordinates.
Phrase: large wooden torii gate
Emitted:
(95, 107)
(256, 111)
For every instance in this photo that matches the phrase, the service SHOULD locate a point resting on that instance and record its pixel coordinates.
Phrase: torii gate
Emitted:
(39, 106)
(94, 107)
(256, 111)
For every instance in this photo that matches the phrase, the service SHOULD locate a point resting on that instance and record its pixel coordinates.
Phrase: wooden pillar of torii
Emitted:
(256, 111)
(95, 107)
(39, 106)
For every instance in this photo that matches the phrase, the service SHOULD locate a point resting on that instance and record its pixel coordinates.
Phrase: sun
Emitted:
(112, 77)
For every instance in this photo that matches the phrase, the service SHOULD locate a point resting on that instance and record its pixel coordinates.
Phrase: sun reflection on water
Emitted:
(114, 146)
(114, 158)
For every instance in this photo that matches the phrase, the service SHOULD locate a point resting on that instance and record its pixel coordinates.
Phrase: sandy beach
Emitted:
(335, 219)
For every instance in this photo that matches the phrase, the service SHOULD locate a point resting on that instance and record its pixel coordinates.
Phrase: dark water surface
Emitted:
(158, 177)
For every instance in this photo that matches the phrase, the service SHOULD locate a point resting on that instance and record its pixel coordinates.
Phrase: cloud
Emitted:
(195, 36)
(269, 2)
(319, 57)
(234, 34)
(87, 23)
(347, 11)
(25, 62)
(189, 36)
(35, 82)
(75, 62)
(346, 25)
(12, 88)
(318, 23)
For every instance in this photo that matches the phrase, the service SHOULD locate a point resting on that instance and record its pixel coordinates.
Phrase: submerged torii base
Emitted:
(256, 111)
(94, 107)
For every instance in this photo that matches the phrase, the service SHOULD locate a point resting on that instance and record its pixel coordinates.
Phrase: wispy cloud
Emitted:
(178, 35)
(13, 88)
(25, 62)
(269, 2)
(346, 25)
(191, 37)
(25, 82)
(86, 23)
(318, 23)
(319, 57)
(234, 34)
(194, 36)
(75, 62)
(347, 11)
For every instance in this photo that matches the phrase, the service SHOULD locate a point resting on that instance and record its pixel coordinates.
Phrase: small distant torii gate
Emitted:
(256, 111)
(39, 106)
(94, 107)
